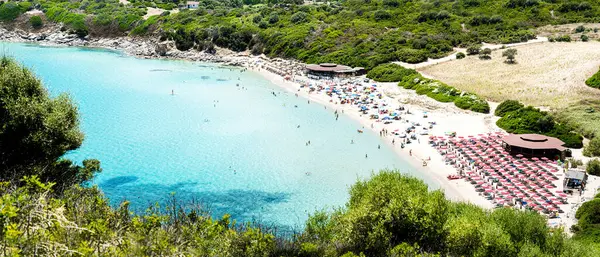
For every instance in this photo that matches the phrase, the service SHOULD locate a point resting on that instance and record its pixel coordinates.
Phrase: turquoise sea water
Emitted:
(152, 143)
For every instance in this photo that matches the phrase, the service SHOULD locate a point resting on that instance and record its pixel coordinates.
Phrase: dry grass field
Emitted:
(549, 75)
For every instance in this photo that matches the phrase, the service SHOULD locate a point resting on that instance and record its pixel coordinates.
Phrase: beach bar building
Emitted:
(333, 70)
(534, 145)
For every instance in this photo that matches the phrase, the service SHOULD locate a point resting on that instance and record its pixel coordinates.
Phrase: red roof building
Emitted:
(534, 145)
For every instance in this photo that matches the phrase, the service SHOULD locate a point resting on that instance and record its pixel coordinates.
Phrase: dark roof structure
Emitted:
(534, 141)
(327, 67)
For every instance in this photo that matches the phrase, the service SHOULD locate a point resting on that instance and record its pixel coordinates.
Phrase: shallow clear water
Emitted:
(151, 143)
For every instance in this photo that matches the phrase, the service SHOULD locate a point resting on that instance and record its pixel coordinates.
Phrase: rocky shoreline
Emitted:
(149, 48)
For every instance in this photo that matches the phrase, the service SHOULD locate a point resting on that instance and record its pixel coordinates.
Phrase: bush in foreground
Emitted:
(389, 72)
(594, 81)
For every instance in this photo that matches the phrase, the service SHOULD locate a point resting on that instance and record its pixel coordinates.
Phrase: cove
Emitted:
(233, 149)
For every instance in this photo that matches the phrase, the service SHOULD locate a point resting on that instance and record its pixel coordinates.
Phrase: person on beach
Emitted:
(393, 141)
(410, 152)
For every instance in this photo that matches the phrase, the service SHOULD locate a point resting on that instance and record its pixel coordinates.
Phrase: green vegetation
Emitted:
(39, 130)
(444, 93)
(460, 55)
(507, 106)
(36, 21)
(593, 167)
(593, 147)
(531, 120)
(583, 116)
(485, 54)
(11, 10)
(563, 38)
(48, 214)
(362, 33)
(510, 55)
(390, 73)
(594, 80)
(587, 229)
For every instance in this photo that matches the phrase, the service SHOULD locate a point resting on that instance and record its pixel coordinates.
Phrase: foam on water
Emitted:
(152, 143)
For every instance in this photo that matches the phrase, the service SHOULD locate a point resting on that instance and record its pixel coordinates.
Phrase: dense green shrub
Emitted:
(36, 21)
(593, 167)
(507, 106)
(444, 93)
(389, 73)
(460, 55)
(381, 15)
(472, 102)
(594, 80)
(299, 17)
(532, 120)
(411, 55)
(563, 38)
(10, 11)
(584, 38)
(592, 148)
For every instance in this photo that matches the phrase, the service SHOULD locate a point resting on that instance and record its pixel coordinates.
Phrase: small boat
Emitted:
(359, 131)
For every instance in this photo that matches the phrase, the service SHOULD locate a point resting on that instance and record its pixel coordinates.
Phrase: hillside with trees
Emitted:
(361, 33)
(48, 209)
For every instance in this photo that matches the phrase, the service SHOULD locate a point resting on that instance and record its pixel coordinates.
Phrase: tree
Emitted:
(485, 54)
(37, 130)
(473, 49)
(510, 55)
(593, 167)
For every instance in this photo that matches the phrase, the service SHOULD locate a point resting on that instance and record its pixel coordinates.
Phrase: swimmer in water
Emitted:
(172, 92)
